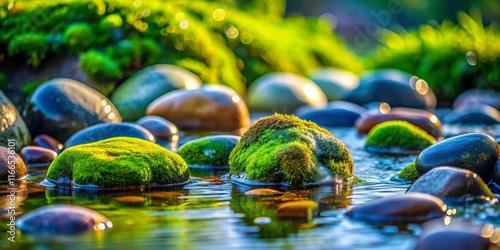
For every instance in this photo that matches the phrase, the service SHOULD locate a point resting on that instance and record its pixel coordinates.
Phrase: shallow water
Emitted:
(211, 213)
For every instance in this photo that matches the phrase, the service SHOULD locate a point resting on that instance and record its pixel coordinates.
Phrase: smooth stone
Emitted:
(420, 118)
(474, 151)
(451, 183)
(130, 199)
(160, 127)
(211, 107)
(12, 166)
(62, 219)
(12, 126)
(49, 142)
(496, 173)
(134, 95)
(335, 83)
(478, 96)
(108, 130)
(284, 93)
(407, 208)
(60, 107)
(209, 150)
(335, 114)
(34, 155)
(393, 87)
(473, 114)
(263, 192)
(297, 209)
(457, 234)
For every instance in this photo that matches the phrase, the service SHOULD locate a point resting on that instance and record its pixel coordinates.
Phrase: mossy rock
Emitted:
(285, 150)
(209, 150)
(408, 173)
(119, 162)
(398, 137)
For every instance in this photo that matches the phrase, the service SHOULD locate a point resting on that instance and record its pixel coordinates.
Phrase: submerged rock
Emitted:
(297, 209)
(407, 208)
(60, 107)
(284, 93)
(134, 95)
(335, 83)
(263, 192)
(209, 150)
(160, 127)
(397, 137)
(109, 130)
(335, 114)
(474, 151)
(118, 162)
(49, 142)
(62, 219)
(451, 183)
(12, 126)
(285, 150)
(212, 107)
(12, 166)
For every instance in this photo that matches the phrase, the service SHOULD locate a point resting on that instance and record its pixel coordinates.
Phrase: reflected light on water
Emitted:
(384, 108)
(310, 91)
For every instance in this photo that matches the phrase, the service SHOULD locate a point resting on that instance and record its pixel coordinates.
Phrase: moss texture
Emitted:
(119, 162)
(32, 46)
(284, 148)
(209, 151)
(78, 37)
(409, 173)
(399, 134)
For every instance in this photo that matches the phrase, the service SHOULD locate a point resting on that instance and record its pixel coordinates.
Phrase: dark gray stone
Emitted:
(336, 114)
(478, 96)
(160, 127)
(473, 114)
(335, 83)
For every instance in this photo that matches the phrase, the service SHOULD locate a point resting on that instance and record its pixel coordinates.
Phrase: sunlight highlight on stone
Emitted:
(471, 58)
(111, 116)
(235, 98)
(310, 91)
(384, 108)
(447, 220)
(219, 15)
(107, 109)
(433, 119)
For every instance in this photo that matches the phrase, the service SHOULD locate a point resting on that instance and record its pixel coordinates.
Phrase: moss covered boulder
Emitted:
(209, 151)
(398, 138)
(119, 162)
(285, 150)
(12, 126)
(408, 173)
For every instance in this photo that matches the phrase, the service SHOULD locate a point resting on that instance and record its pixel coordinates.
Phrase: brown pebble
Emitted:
(297, 209)
(47, 141)
(37, 155)
(263, 192)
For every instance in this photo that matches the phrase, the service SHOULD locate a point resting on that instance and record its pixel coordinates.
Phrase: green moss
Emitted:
(101, 69)
(284, 148)
(409, 173)
(209, 151)
(30, 45)
(119, 162)
(78, 37)
(399, 134)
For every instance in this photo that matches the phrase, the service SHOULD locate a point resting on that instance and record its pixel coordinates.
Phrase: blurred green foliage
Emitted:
(451, 58)
(231, 42)
(30, 45)
(101, 70)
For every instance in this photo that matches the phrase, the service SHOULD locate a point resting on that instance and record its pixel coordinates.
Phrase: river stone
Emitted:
(393, 87)
(49, 142)
(473, 114)
(474, 151)
(60, 107)
(11, 165)
(335, 83)
(34, 155)
(407, 208)
(420, 118)
(209, 150)
(496, 173)
(134, 95)
(284, 93)
(12, 126)
(160, 127)
(336, 114)
(211, 107)
(478, 96)
(108, 130)
(451, 183)
(62, 219)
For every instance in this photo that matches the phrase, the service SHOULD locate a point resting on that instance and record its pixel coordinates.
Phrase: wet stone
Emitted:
(62, 219)
(478, 96)
(209, 150)
(407, 208)
(211, 107)
(49, 142)
(335, 83)
(451, 183)
(34, 155)
(335, 114)
(474, 151)
(420, 118)
(284, 93)
(473, 114)
(160, 127)
(11, 165)
(61, 107)
(109, 130)
(263, 192)
(137, 92)
(12, 126)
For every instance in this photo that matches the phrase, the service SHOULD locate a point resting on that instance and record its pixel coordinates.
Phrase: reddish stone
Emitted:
(420, 118)
(11, 164)
(47, 141)
(37, 155)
